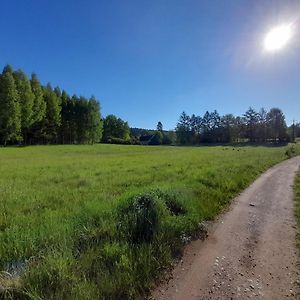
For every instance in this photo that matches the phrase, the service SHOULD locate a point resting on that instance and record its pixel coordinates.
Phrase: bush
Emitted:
(115, 140)
(139, 218)
(156, 138)
(174, 205)
(135, 141)
(290, 152)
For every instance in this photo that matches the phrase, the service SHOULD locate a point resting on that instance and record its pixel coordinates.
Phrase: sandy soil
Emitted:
(250, 251)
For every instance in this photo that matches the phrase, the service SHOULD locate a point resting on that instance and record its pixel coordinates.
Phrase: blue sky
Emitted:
(149, 60)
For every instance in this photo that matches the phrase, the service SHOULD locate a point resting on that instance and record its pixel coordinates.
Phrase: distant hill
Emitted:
(134, 131)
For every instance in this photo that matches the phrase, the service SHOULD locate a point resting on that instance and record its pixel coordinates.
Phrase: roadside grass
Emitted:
(105, 221)
(297, 213)
(297, 206)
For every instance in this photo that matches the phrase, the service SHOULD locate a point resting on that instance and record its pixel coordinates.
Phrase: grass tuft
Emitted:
(139, 218)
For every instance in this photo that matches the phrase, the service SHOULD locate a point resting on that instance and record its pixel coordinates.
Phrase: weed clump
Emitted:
(174, 205)
(291, 151)
(139, 218)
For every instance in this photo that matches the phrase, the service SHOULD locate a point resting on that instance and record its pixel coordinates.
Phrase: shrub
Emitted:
(174, 205)
(290, 152)
(115, 140)
(139, 218)
(156, 138)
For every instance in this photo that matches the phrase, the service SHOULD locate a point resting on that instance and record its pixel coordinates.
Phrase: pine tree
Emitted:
(159, 126)
(183, 129)
(277, 125)
(53, 117)
(66, 118)
(251, 119)
(10, 115)
(26, 101)
(38, 111)
(39, 105)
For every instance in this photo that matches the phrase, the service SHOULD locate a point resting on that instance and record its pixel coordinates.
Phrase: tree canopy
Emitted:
(253, 126)
(31, 113)
(115, 128)
(10, 111)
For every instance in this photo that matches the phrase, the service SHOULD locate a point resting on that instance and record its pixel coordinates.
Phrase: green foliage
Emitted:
(94, 121)
(36, 114)
(114, 140)
(151, 137)
(10, 112)
(297, 205)
(250, 119)
(174, 205)
(139, 218)
(277, 125)
(291, 151)
(159, 126)
(39, 105)
(49, 278)
(156, 139)
(169, 138)
(81, 120)
(26, 101)
(114, 127)
(52, 119)
(253, 127)
(183, 130)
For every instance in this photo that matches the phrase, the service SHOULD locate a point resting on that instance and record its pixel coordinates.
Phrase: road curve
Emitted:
(250, 251)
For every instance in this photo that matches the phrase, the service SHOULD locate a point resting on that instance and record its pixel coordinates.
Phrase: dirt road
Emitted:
(250, 251)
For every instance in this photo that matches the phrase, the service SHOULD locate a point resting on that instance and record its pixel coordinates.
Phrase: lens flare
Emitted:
(278, 38)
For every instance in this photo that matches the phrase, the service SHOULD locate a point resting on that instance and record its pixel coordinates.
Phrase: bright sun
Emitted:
(277, 38)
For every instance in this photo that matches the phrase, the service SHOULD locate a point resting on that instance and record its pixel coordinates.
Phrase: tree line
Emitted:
(31, 113)
(255, 127)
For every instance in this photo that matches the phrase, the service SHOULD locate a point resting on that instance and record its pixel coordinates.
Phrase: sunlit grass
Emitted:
(59, 209)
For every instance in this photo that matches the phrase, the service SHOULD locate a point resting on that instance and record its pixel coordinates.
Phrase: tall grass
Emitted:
(297, 205)
(297, 213)
(105, 221)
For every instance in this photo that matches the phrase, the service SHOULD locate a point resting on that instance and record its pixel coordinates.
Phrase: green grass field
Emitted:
(73, 227)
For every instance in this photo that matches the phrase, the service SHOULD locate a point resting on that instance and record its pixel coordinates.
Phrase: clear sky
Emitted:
(148, 60)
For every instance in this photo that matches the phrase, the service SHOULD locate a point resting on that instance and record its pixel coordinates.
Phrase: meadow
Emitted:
(106, 221)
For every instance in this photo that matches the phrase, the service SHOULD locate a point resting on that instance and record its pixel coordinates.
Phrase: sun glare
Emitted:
(277, 38)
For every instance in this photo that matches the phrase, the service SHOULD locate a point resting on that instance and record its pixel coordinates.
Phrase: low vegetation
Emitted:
(297, 205)
(297, 211)
(105, 221)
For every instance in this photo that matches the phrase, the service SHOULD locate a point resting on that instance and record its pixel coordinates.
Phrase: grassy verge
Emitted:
(297, 205)
(104, 221)
(297, 212)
